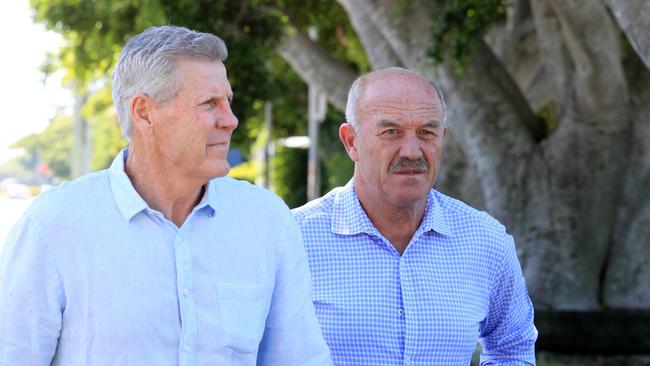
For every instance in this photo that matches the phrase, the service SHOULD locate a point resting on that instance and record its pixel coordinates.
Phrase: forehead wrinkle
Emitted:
(427, 112)
(398, 105)
(379, 108)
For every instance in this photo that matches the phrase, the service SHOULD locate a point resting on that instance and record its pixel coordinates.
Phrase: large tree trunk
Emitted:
(627, 281)
(317, 67)
(572, 215)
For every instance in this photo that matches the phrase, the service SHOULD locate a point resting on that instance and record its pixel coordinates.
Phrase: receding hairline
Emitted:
(389, 73)
(358, 89)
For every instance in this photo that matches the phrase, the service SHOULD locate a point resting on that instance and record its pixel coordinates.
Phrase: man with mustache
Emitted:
(161, 259)
(402, 274)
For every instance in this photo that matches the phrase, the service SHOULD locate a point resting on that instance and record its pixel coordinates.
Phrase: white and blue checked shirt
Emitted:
(92, 276)
(457, 282)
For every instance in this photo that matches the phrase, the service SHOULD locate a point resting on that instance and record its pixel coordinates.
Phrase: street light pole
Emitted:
(317, 109)
(81, 139)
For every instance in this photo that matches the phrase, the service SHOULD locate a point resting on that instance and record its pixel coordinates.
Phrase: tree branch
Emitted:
(377, 48)
(494, 122)
(316, 66)
(515, 45)
(581, 48)
(406, 31)
(633, 16)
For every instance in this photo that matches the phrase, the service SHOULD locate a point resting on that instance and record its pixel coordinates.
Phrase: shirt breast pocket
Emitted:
(242, 310)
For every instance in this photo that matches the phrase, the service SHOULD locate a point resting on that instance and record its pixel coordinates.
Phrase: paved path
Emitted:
(10, 211)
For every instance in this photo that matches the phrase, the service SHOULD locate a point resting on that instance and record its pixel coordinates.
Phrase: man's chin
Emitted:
(217, 169)
(410, 193)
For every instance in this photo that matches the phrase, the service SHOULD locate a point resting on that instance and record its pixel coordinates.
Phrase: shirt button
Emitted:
(400, 311)
(407, 361)
(187, 349)
(185, 292)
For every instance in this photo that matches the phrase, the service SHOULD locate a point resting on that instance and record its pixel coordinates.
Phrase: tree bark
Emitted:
(627, 280)
(633, 16)
(379, 52)
(317, 67)
(515, 44)
(577, 172)
(405, 30)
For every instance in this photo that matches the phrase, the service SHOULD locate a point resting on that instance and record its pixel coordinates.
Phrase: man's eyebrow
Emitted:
(433, 123)
(387, 123)
(210, 96)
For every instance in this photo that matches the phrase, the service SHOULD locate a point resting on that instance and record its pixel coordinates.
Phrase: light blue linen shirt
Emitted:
(92, 276)
(458, 281)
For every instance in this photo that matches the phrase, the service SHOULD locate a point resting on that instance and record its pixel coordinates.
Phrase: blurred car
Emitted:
(45, 187)
(18, 191)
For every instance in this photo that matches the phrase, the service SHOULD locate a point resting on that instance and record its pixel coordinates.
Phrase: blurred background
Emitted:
(549, 121)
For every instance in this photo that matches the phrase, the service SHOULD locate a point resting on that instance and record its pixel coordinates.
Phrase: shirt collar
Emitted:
(209, 199)
(434, 216)
(128, 200)
(349, 218)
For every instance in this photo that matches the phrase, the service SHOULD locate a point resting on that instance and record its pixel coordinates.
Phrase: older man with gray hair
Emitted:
(402, 274)
(160, 259)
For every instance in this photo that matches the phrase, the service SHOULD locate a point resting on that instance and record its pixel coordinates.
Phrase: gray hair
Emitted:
(147, 65)
(358, 86)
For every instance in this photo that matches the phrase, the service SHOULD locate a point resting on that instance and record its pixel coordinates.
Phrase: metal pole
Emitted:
(317, 108)
(81, 140)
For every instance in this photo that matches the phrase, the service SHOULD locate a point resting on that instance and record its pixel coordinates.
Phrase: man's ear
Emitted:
(349, 138)
(140, 110)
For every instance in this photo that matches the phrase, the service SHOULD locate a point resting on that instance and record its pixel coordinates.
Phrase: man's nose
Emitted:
(227, 118)
(411, 148)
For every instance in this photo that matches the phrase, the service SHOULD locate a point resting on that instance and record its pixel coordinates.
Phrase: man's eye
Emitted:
(390, 131)
(429, 134)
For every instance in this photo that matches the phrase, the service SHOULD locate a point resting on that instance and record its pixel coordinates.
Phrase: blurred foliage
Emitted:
(288, 172)
(107, 138)
(549, 116)
(23, 168)
(248, 171)
(52, 146)
(95, 31)
(337, 167)
(458, 24)
(332, 29)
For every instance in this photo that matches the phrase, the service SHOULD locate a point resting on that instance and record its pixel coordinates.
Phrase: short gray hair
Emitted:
(358, 86)
(147, 65)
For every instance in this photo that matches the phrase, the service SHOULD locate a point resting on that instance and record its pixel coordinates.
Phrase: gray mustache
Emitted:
(405, 163)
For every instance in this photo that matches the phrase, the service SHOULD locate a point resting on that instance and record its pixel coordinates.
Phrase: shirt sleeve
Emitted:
(31, 298)
(508, 334)
(292, 335)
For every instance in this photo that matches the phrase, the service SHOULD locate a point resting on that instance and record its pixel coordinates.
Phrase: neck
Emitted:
(397, 223)
(162, 188)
